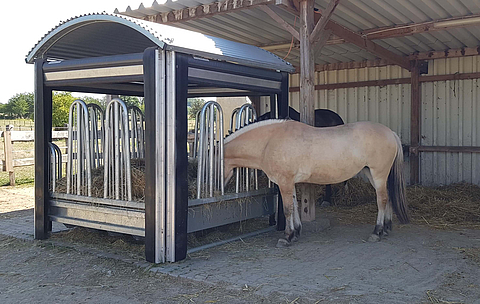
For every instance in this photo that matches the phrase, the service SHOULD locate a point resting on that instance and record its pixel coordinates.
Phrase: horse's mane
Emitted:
(252, 126)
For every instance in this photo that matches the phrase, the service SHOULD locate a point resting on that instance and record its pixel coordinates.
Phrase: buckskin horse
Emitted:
(291, 152)
(323, 118)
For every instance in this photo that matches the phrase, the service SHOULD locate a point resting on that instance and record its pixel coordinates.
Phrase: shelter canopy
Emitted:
(103, 34)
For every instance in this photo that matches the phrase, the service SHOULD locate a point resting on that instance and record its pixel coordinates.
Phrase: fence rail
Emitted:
(10, 136)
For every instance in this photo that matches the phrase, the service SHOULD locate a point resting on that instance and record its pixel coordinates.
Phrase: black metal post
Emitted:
(43, 134)
(150, 144)
(282, 103)
(181, 193)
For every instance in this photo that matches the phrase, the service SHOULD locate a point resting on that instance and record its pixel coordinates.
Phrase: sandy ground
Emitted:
(414, 264)
(19, 199)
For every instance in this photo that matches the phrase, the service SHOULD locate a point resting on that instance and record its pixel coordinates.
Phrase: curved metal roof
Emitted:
(105, 34)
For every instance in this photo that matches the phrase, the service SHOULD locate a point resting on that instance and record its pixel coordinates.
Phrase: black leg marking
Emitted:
(378, 230)
(291, 236)
(328, 194)
(271, 220)
(388, 226)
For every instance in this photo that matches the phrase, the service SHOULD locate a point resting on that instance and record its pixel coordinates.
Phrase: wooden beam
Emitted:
(317, 48)
(363, 43)
(355, 38)
(319, 29)
(307, 90)
(453, 149)
(450, 53)
(307, 63)
(385, 82)
(280, 21)
(422, 27)
(415, 123)
(404, 29)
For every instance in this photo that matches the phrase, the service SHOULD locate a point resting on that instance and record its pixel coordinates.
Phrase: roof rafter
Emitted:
(280, 21)
(401, 30)
(352, 37)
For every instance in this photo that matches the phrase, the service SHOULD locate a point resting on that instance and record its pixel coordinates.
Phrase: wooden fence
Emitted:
(10, 136)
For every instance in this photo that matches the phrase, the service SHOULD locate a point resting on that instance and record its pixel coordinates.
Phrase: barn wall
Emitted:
(449, 118)
(449, 112)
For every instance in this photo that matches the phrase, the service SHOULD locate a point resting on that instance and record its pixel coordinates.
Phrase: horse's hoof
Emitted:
(384, 233)
(294, 239)
(374, 238)
(325, 204)
(282, 243)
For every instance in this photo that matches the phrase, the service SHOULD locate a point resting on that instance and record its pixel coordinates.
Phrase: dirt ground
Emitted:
(415, 264)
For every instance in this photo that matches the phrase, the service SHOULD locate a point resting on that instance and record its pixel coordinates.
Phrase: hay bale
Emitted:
(456, 204)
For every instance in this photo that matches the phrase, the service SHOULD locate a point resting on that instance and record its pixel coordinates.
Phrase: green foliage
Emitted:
(89, 100)
(61, 102)
(19, 106)
(132, 101)
(196, 105)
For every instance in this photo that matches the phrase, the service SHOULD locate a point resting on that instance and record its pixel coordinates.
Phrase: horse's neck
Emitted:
(247, 149)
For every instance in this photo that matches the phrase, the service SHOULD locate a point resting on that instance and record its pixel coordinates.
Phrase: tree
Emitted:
(196, 105)
(61, 102)
(89, 100)
(131, 101)
(19, 106)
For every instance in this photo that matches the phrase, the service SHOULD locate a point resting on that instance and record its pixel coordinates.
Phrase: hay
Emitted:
(456, 205)
(445, 206)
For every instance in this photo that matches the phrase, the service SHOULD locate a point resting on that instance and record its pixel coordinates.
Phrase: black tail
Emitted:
(396, 186)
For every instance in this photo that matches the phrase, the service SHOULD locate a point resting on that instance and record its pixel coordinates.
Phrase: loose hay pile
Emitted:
(138, 181)
(440, 207)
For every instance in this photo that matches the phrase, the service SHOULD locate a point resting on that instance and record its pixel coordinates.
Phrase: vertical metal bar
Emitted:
(196, 137)
(155, 139)
(171, 162)
(79, 151)
(212, 148)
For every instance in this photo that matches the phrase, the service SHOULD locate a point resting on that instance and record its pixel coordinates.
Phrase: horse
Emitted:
(323, 118)
(291, 152)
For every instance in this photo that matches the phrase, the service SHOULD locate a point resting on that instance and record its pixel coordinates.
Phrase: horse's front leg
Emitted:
(293, 225)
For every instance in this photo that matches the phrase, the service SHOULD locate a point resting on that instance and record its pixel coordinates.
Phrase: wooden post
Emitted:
(415, 124)
(307, 89)
(7, 140)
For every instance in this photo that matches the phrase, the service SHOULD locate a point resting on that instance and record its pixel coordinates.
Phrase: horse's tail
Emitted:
(396, 185)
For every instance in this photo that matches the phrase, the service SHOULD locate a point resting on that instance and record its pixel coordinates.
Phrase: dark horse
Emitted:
(323, 118)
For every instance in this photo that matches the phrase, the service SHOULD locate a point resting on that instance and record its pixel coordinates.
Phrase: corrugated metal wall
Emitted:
(449, 118)
(449, 112)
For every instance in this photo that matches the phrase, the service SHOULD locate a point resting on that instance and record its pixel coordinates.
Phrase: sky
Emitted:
(24, 23)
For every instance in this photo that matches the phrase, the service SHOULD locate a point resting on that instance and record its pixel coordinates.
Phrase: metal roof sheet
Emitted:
(105, 34)
(253, 26)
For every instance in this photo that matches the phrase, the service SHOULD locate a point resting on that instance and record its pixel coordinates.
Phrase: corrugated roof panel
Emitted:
(253, 26)
(104, 34)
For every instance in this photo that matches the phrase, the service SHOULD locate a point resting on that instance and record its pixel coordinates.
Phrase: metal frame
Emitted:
(165, 87)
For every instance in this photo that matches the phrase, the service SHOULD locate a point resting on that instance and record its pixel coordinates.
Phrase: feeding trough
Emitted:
(110, 54)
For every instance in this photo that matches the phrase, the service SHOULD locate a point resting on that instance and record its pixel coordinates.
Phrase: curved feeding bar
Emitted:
(96, 121)
(232, 120)
(243, 116)
(55, 164)
(137, 132)
(79, 174)
(210, 150)
(117, 176)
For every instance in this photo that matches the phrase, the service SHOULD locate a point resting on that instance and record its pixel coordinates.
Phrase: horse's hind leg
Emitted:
(293, 225)
(384, 209)
(297, 223)
(382, 201)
